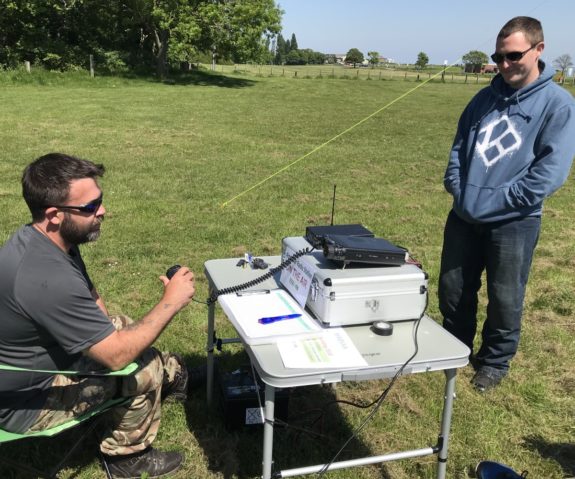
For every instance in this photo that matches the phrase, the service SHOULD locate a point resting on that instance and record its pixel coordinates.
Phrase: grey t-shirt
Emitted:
(47, 318)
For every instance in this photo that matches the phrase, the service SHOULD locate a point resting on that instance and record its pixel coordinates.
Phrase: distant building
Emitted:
(489, 69)
(485, 68)
(339, 58)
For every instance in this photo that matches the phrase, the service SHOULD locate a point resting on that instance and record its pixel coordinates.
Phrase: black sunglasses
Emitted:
(90, 207)
(511, 56)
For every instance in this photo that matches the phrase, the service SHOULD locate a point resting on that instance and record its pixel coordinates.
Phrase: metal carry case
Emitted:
(359, 293)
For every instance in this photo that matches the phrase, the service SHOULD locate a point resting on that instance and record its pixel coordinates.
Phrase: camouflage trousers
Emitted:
(128, 428)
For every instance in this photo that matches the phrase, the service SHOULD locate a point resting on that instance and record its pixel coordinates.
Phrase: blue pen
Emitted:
(273, 319)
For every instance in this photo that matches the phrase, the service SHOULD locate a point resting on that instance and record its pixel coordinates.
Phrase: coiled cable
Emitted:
(241, 287)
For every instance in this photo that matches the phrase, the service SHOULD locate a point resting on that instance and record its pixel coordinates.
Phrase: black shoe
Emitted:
(185, 380)
(483, 381)
(177, 390)
(151, 462)
(474, 363)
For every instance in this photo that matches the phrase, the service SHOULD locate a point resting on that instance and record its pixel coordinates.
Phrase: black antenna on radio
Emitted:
(333, 205)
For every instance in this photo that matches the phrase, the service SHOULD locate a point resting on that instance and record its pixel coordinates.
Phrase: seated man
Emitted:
(52, 318)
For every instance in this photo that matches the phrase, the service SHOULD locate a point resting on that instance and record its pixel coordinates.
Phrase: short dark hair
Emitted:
(531, 28)
(46, 181)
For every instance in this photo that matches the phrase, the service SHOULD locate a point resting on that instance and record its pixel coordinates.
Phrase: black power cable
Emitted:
(379, 401)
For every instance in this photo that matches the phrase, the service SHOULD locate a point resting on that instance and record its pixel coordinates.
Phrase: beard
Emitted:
(75, 234)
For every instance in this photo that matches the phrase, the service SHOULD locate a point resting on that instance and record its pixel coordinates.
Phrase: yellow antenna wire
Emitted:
(253, 187)
(226, 203)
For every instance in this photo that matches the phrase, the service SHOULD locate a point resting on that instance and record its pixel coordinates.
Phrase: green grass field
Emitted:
(177, 153)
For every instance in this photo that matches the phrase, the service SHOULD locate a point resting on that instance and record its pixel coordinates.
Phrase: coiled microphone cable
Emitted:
(241, 287)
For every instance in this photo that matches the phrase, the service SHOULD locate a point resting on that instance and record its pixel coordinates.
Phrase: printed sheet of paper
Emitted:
(331, 349)
(245, 309)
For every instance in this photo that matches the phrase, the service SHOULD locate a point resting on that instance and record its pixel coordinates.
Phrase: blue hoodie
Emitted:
(513, 149)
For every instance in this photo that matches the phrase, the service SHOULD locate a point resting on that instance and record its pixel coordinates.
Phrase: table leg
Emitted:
(446, 422)
(268, 432)
(210, 354)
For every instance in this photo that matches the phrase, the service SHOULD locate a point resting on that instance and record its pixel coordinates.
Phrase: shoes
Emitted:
(149, 463)
(185, 380)
(474, 363)
(483, 381)
(494, 470)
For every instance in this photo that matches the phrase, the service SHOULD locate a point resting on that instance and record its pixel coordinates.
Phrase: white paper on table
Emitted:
(245, 309)
(332, 348)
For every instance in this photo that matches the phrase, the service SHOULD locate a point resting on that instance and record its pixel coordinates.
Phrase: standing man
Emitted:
(514, 147)
(52, 318)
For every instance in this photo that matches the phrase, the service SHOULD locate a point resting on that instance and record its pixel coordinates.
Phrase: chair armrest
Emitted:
(126, 371)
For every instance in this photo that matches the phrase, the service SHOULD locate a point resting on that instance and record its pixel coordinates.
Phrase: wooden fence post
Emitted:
(27, 66)
(92, 66)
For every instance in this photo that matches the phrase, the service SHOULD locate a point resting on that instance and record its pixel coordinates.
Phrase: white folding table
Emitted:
(385, 355)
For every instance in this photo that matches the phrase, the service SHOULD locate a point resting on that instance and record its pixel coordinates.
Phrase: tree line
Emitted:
(478, 58)
(125, 35)
(287, 52)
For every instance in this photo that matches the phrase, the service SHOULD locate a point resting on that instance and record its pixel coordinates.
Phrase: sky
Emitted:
(443, 29)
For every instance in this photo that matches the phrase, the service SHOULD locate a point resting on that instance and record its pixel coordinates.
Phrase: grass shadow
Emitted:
(561, 452)
(44, 453)
(205, 78)
(313, 431)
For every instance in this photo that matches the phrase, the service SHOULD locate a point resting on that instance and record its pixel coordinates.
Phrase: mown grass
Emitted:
(175, 153)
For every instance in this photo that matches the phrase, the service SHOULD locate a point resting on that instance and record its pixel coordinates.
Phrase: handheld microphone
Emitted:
(172, 271)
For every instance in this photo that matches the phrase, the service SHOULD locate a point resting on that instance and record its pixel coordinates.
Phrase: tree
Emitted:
(373, 58)
(294, 57)
(562, 63)
(354, 56)
(238, 29)
(62, 33)
(293, 43)
(422, 61)
(317, 58)
(169, 23)
(330, 58)
(55, 33)
(475, 58)
(280, 50)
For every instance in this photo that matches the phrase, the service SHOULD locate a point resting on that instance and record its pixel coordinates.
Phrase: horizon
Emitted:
(365, 25)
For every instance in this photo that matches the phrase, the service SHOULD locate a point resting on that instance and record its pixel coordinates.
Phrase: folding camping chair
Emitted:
(6, 436)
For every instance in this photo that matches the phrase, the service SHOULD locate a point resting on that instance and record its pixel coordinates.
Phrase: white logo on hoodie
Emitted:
(496, 140)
